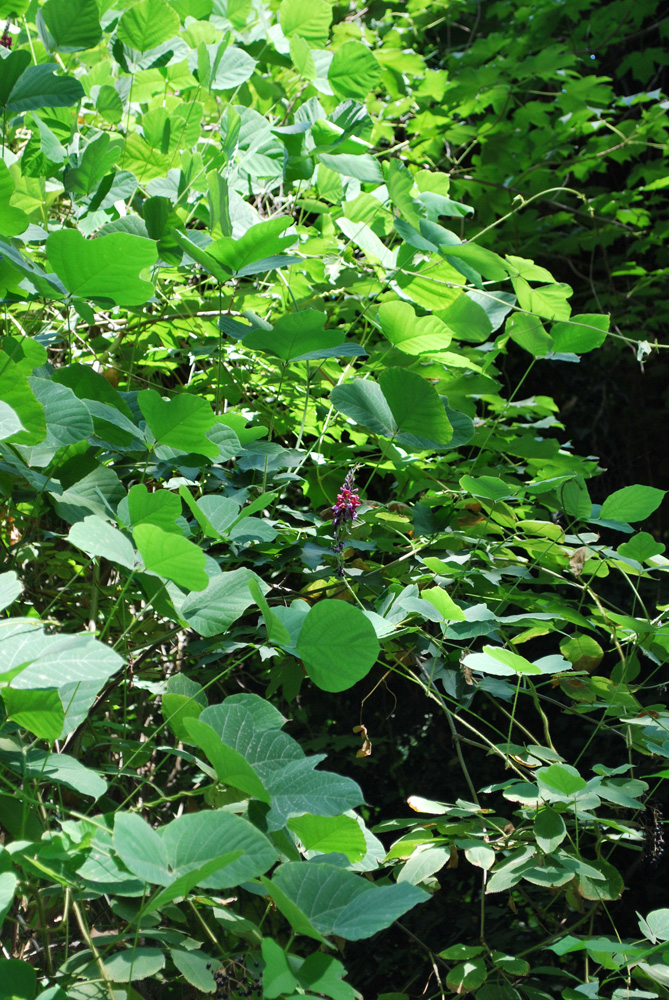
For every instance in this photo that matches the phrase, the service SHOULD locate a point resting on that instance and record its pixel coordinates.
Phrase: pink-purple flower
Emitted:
(343, 513)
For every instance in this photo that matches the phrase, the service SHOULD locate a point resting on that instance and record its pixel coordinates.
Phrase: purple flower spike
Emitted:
(343, 513)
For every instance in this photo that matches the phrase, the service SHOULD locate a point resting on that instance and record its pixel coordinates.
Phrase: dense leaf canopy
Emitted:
(323, 621)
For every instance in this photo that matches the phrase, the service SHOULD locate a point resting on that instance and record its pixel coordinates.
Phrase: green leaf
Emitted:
(258, 244)
(549, 829)
(136, 963)
(291, 911)
(338, 645)
(582, 651)
(109, 104)
(400, 183)
(184, 699)
(12, 68)
(40, 87)
(105, 268)
(40, 712)
(411, 334)
(18, 979)
(300, 336)
(401, 406)
(277, 977)
(467, 976)
(220, 68)
(67, 418)
(10, 588)
(181, 422)
(161, 508)
(336, 901)
(227, 596)
(655, 926)
(188, 844)
(547, 301)
(354, 72)
(147, 24)
(632, 503)
(242, 739)
(276, 630)
(9, 422)
(171, 556)
(72, 25)
(12, 220)
(641, 547)
(529, 333)
(8, 885)
(52, 661)
(500, 661)
(561, 778)
(196, 967)
(611, 886)
(16, 392)
(444, 604)
(310, 19)
(488, 488)
(230, 765)
(580, 334)
(53, 767)
(425, 861)
(330, 834)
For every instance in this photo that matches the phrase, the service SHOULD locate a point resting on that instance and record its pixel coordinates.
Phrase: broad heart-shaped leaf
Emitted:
(338, 645)
(18, 978)
(147, 24)
(15, 391)
(39, 87)
(103, 268)
(257, 243)
(201, 257)
(12, 220)
(12, 68)
(10, 588)
(97, 537)
(212, 611)
(189, 843)
(230, 766)
(40, 711)
(336, 901)
(401, 406)
(171, 556)
(330, 834)
(184, 699)
(632, 503)
(52, 767)
(310, 19)
(52, 661)
(161, 508)
(277, 976)
(354, 72)
(181, 422)
(8, 884)
(412, 334)
(300, 336)
(547, 301)
(243, 740)
(72, 25)
(497, 660)
(9, 422)
(549, 829)
(67, 418)
(580, 334)
(221, 68)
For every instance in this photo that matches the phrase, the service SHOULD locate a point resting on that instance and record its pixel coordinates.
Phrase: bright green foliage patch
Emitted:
(317, 626)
